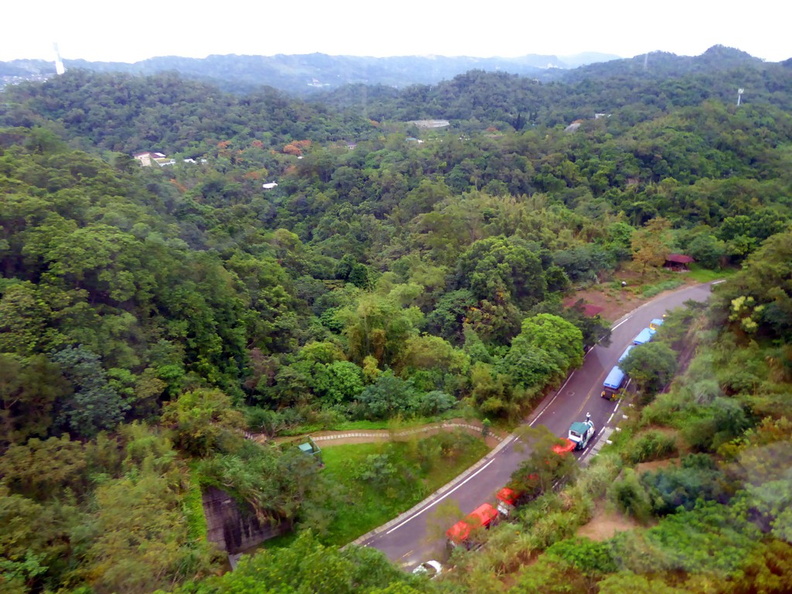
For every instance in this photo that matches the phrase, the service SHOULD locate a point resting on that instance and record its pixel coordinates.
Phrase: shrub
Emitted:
(682, 486)
(585, 555)
(629, 495)
(652, 445)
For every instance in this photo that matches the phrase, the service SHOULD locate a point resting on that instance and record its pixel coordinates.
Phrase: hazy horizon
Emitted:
(99, 31)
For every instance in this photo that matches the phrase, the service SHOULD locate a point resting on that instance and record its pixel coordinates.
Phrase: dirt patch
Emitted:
(614, 300)
(605, 524)
(649, 466)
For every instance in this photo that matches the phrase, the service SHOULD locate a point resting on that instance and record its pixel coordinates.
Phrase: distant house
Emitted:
(144, 158)
(678, 261)
(269, 186)
(430, 123)
(147, 159)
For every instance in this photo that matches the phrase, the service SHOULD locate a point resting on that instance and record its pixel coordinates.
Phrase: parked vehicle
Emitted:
(625, 353)
(613, 383)
(581, 432)
(460, 533)
(507, 501)
(643, 336)
(430, 569)
(656, 323)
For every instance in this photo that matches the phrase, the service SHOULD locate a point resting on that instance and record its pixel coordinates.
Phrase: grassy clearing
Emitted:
(382, 480)
(666, 285)
(704, 275)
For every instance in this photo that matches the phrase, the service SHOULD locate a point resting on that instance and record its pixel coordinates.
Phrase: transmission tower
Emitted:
(59, 67)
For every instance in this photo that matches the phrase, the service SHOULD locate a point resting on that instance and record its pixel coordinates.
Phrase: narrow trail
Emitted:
(334, 438)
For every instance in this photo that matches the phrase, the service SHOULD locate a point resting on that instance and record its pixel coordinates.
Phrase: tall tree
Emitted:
(651, 244)
(93, 404)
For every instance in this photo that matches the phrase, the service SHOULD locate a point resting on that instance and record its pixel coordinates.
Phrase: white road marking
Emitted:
(439, 499)
(561, 389)
(620, 323)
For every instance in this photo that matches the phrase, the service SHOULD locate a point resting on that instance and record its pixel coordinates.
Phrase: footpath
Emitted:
(334, 438)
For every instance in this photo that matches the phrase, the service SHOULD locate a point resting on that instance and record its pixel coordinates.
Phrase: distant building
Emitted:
(678, 261)
(143, 158)
(430, 123)
(147, 159)
(269, 186)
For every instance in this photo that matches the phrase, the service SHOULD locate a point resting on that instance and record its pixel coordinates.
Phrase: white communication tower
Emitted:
(739, 96)
(59, 67)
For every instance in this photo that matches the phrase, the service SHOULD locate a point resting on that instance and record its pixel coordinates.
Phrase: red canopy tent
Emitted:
(482, 516)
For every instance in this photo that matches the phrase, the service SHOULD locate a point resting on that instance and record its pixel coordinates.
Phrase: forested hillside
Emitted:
(151, 315)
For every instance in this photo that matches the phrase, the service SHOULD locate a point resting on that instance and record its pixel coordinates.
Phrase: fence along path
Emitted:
(330, 438)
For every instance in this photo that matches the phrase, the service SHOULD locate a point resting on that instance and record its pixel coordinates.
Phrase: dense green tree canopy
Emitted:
(394, 271)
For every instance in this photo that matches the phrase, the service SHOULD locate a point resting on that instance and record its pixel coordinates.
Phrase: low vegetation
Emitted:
(376, 482)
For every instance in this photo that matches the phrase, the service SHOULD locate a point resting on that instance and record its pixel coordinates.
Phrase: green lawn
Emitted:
(408, 471)
(704, 275)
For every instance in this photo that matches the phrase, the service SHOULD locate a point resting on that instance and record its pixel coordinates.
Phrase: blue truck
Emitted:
(625, 353)
(644, 336)
(612, 383)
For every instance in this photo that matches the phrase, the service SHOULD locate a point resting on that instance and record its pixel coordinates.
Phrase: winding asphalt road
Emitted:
(407, 542)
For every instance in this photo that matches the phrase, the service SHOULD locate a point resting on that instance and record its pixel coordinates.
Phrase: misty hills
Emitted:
(310, 73)
(307, 73)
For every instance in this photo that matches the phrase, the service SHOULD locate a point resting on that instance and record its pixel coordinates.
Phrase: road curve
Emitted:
(407, 540)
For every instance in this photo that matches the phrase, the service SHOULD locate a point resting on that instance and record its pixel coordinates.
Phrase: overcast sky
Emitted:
(111, 30)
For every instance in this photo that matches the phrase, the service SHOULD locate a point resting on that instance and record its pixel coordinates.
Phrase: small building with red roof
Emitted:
(678, 261)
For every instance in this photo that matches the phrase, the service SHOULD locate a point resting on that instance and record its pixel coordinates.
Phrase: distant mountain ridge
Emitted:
(305, 73)
(718, 58)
